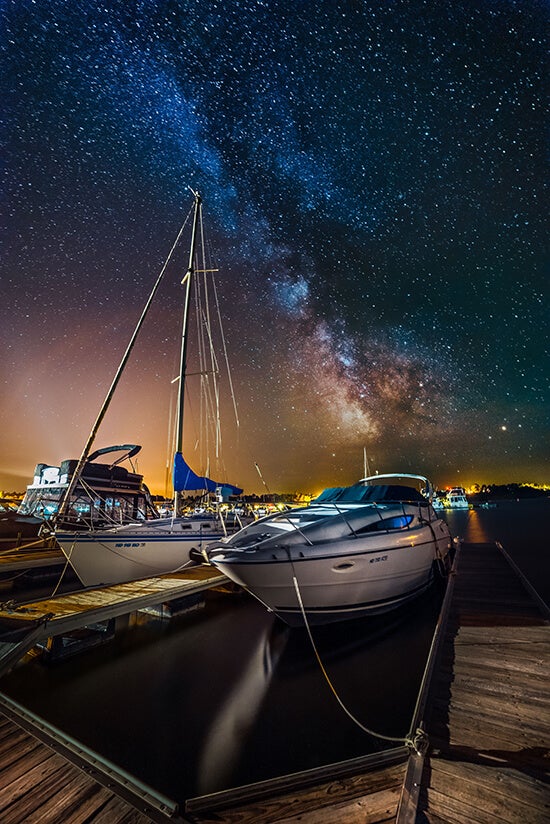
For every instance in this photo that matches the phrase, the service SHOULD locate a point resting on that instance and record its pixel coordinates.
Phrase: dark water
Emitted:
(523, 529)
(229, 695)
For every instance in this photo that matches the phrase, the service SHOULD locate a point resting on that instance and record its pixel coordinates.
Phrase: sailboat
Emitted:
(152, 547)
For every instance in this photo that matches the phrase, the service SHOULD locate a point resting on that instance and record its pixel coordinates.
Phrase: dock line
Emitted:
(417, 742)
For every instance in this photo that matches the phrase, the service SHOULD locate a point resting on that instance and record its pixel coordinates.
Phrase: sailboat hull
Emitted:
(136, 551)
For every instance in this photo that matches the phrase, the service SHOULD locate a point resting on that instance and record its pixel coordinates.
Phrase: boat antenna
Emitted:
(89, 443)
(186, 281)
(366, 470)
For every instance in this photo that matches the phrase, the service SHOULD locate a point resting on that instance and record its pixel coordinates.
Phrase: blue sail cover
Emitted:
(185, 479)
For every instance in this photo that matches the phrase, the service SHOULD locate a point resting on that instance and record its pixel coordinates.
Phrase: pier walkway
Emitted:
(488, 707)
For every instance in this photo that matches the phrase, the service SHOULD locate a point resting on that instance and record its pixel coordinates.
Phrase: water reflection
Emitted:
(472, 525)
(523, 529)
(227, 732)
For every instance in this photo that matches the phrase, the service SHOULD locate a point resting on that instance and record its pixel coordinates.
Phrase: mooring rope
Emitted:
(64, 570)
(416, 742)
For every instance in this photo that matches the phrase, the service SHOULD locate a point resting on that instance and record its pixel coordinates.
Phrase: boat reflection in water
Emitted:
(226, 736)
(277, 666)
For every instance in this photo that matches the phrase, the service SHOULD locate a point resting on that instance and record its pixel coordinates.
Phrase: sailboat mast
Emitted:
(187, 280)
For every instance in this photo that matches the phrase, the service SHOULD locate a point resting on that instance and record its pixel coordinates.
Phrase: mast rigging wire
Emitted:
(91, 438)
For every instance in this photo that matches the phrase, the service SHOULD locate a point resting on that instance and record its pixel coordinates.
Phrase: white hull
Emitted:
(131, 552)
(456, 499)
(340, 585)
(346, 559)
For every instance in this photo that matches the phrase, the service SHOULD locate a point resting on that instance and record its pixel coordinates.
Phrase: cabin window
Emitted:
(396, 522)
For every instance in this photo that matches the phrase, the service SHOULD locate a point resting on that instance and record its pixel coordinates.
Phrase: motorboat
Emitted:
(148, 548)
(354, 551)
(16, 528)
(456, 498)
(438, 502)
(105, 494)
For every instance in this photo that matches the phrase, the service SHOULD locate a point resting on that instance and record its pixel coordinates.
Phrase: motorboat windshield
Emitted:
(360, 493)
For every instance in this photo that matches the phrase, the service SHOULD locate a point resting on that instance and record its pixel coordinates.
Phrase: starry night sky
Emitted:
(373, 177)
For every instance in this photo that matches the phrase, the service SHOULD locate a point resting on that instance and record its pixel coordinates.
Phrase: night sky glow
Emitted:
(373, 177)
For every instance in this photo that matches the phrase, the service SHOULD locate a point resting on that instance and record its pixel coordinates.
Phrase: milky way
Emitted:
(373, 176)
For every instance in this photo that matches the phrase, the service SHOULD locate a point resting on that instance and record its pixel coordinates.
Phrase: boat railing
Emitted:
(278, 516)
(419, 505)
(296, 527)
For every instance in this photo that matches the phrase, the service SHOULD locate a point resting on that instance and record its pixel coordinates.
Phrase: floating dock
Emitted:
(483, 713)
(29, 557)
(22, 626)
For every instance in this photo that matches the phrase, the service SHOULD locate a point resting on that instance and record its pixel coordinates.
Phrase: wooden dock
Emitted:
(360, 791)
(21, 563)
(24, 625)
(484, 705)
(488, 706)
(32, 557)
(45, 783)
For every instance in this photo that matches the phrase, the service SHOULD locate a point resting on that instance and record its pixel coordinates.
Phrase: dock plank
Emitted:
(488, 709)
(73, 800)
(33, 784)
(477, 793)
(370, 797)
(20, 760)
(40, 786)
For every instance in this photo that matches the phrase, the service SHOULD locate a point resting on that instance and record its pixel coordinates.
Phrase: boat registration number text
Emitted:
(128, 545)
